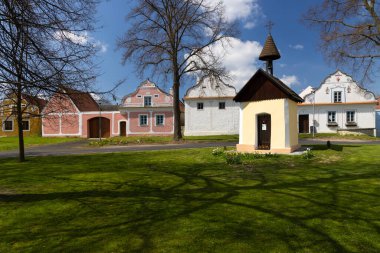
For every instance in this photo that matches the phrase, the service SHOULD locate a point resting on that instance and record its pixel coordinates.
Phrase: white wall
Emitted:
(378, 123)
(211, 120)
(365, 116)
(354, 98)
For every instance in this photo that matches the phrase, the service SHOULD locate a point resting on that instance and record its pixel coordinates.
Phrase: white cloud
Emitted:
(282, 65)
(238, 9)
(240, 58)
(297, 47)
(249, 25)
(290, 80)
(81, 38)
(77, 38)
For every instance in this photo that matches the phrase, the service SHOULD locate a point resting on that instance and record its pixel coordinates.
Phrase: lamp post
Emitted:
(100, 121)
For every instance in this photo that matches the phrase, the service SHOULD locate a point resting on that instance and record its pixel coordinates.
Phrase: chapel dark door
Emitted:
(303, 123)
(263, 131)
(123, 128)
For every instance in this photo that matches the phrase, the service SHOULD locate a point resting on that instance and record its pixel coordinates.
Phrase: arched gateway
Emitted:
(99, 126)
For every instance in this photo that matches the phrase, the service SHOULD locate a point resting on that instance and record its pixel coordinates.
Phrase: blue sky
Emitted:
(301, 62)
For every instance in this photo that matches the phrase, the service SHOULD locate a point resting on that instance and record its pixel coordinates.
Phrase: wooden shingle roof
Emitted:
(270, 51)
(264, 86)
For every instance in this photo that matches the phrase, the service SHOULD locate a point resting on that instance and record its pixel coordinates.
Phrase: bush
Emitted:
(233, 157)
(308, 154)
(218, 151)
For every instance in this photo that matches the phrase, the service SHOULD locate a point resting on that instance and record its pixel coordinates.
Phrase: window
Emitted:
(25, 125)
(8, 125)
(139, 96)
(159, 120)
(148, 101)
(222, 105)
(143, 120)
(200, 106)
(156, 95)
(331, 117)
(350, 116)
(337, 97)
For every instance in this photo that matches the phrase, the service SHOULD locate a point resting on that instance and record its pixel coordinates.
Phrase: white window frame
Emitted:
(340, 96)
(203, 106)
(147, 119)
(328, 117)
(151, 102)
(27, 130)
(354, 117)
(224, 106)
(163, 120)
(13, 125)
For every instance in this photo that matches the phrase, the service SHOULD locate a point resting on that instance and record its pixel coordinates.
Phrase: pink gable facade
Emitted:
(146, 111)
(150, 111)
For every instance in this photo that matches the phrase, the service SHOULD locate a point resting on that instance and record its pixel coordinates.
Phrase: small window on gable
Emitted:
(148, 101)
(139, 96)
(8, 125)
(200, 106)
(156, 95)
(337, 97)
(222, 105)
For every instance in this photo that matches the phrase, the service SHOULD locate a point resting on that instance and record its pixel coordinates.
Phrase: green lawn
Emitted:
(191, 201)
(9, 143)
(133, 140)
(333, 136)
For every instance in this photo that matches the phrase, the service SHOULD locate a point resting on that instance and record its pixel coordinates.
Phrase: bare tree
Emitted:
(172, 38)
(42, 46)
(350, 33)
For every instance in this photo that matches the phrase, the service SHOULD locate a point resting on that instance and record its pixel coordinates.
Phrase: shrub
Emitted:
(233, 157)
(308, 154)
(217, 151)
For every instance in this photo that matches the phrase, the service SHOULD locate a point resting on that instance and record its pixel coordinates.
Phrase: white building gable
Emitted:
(340, 83)
(210, 109)
(339, 104)
(306, 91)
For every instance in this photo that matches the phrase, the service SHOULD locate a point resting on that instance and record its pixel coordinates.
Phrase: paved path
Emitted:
(82, 147)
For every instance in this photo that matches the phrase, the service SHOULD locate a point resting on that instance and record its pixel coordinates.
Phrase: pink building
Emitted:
(146, 111)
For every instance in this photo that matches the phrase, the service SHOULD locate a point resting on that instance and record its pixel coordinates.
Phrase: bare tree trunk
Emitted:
(19, 123)
(177, 113)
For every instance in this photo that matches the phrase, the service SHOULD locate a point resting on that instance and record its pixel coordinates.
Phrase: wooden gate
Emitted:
(123, 128)
(303, 123)
(94, 125)
(263, 131)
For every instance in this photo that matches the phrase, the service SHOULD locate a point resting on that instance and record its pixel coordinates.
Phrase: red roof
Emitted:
(82, 100)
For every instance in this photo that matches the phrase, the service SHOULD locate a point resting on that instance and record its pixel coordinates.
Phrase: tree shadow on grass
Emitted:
(269, 213)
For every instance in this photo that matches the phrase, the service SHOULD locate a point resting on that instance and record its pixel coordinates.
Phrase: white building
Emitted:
(210, 109)
(378, 117)
(339, 104)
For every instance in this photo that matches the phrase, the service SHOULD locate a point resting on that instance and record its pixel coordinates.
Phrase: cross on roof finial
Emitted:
(269, 25)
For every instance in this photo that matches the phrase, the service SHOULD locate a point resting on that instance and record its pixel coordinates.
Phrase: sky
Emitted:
(301, 63)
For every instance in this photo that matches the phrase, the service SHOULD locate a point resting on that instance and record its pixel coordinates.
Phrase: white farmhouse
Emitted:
(339, 104)
(210, 109)
(378, 117)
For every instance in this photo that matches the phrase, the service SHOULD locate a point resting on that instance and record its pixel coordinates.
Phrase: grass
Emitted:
(162, 140)
(335, 136)
(10, 143)
(191, 201)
